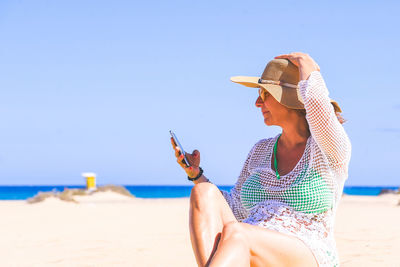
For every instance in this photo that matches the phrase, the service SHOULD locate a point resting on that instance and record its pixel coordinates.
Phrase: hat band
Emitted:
(262, 81)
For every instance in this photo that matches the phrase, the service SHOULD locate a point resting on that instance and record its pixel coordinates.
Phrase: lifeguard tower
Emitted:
(90, 180)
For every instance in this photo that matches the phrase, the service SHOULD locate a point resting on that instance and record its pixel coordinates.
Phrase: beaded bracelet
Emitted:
(198, 176)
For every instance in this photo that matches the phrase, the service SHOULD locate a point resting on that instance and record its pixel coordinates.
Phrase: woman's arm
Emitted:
(324, 124)
(233, 197)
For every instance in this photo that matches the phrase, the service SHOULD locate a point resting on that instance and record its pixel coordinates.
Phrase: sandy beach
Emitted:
(108, 229)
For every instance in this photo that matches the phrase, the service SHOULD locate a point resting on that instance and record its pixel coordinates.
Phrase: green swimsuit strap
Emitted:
(275, 160)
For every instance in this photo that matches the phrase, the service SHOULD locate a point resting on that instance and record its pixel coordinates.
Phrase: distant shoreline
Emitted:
(23, 192)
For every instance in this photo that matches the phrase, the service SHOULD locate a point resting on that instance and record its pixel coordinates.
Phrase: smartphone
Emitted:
(180, 148)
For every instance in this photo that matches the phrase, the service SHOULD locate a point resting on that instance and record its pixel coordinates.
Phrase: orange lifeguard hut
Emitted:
(90, 180)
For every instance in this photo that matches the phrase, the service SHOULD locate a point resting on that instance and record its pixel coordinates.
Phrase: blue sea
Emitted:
(156, 191)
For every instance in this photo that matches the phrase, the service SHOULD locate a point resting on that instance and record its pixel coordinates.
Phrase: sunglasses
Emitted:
(263, 93)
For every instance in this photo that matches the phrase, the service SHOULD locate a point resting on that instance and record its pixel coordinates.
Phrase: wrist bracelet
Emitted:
(198, 176)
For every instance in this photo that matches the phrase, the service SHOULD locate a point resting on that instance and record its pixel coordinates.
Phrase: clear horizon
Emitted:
(96, 86)
(188, 185)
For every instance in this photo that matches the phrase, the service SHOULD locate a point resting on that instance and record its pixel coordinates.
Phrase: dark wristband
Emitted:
(198, 176)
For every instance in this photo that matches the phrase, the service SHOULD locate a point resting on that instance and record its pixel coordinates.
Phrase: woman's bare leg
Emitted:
(242, 244)
(208, 214)
(233, 250)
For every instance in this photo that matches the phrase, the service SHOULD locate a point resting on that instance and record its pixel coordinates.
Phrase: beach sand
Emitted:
(108, 229)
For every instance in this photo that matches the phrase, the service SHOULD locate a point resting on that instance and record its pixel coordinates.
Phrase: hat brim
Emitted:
(246, 81)
(274, 90)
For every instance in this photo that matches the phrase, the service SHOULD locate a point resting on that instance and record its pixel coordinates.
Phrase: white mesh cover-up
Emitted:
(303, 202)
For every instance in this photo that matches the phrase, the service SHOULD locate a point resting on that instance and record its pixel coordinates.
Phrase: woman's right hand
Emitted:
(303, 61)
(194, 160)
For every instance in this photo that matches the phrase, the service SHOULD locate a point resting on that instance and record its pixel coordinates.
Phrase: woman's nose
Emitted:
(259, 102)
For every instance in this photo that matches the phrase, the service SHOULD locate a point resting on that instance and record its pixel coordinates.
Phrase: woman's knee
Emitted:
(234, 230)
(203, 194)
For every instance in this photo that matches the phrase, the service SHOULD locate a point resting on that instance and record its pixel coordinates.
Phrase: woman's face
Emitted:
(273, 112)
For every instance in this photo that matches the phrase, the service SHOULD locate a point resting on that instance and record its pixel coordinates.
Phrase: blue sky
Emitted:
(97, 85)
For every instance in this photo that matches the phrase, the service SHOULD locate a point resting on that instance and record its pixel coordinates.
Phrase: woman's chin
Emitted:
(267, 122)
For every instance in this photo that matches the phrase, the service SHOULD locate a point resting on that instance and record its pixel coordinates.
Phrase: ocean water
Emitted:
(156, 191)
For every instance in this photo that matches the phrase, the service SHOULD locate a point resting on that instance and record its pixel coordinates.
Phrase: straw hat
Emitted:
(280, 79)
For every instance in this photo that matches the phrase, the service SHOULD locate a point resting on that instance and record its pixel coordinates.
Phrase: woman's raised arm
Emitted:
(324, 124)
(320, 114)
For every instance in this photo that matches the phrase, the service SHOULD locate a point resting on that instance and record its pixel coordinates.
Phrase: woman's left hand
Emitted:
(303, 61)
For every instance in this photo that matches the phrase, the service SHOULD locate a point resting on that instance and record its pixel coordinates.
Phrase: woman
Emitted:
(281, 210)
